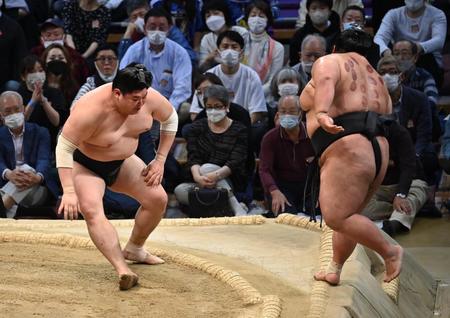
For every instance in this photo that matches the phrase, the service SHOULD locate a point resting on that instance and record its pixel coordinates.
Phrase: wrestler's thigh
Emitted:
(90, 189)
(131, 182)
(345, 179)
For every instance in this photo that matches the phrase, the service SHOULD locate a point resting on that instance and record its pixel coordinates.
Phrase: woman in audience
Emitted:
(263, 54)
(286, 81)
(86, 23)
(45, 105)
(217, 150)
(218, 19)
(59, 71)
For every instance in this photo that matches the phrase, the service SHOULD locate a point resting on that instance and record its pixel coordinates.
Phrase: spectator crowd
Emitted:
(235, 85)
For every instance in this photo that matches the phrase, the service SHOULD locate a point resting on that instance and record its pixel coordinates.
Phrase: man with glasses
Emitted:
(285, 154)
(52, 32)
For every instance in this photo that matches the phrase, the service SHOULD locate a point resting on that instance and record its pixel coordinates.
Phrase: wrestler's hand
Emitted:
(402, 205)
(279, 202)
(70, 206)
(153, 173)
(327, 123)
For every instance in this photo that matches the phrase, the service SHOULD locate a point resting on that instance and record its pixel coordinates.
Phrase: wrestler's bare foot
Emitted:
(330, 278)
(143, 257)
(393, 264)
(128, 280)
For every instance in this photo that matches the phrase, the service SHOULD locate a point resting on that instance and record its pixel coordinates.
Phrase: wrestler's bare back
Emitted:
(104, 134)
(355, 86)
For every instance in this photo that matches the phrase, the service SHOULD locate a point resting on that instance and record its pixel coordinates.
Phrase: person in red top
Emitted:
(285, 153)
(52, 32)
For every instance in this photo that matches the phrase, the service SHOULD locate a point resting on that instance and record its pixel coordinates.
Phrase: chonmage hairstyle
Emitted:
(354, 40)
(132, 78)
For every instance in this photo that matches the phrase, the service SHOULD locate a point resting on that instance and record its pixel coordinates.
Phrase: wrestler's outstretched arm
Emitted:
(166, 114)
(78, 127)
(325, 74)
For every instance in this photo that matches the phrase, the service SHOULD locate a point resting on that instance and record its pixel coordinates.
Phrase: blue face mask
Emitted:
(351, 25)
(289, 121)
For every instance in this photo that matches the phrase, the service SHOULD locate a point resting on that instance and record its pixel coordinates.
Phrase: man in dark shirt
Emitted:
(285, 153)
(12, 48)
(403, 191)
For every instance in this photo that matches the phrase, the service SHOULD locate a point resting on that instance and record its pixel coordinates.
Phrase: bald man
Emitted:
(96, 149)
(343, 101)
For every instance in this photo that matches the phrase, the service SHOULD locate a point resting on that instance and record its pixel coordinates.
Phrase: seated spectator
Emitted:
(218, 19)
(14, 49)
(46, 106)
(24, 158)
(420, 23)
(135, 31)
(313, 47)
(418, 78)
(263, 54)
(287, 81)
(187, 17)
(59, 74)
(217, 150)
(167, 61)
(403, 191)
(413, 112)
(285, 153)
(86, 23)
(339, 7)
(319, 12)
(52, 32)
(106, 65)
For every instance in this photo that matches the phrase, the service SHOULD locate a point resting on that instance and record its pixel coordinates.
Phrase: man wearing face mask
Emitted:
(24, 158)
(319, 22)
(285, 153)
(167, 61)
(13, 48)
(52, 32)
(313, 47)
(420, 23)
(136, 10)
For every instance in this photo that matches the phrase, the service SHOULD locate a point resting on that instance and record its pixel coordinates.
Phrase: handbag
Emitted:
(205, 203)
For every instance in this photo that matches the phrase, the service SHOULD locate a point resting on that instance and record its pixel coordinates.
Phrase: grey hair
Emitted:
(7, 94)
(314, 37)
(218, 92)
(284, 74)
(388, 59)
(286, 97)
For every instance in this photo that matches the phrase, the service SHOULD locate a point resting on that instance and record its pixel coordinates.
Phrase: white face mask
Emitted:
(215, 115)
(229, 57)
(319, 17)
(215, 22)
(139, 23)
(14, 121)
(391, 81)
(106, 78)
(257, 25)
(351, 25)
(156, 37)
(307, 67)
(48, 43)
(414, 5)
(287, 89)
(35, 78)
(289, 121)
(405, 65)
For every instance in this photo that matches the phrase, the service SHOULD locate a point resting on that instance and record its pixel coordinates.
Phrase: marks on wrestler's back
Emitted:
(350, 68)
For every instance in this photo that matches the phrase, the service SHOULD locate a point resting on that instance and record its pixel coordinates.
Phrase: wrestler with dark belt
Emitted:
(344, 102)
(96, 149)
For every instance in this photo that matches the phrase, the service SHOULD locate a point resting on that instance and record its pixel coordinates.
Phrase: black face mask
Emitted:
(57, 67)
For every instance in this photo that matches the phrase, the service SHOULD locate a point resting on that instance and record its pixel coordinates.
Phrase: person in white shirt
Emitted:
(263, 54)
(420, 23)
(338, 6)
(218, 19)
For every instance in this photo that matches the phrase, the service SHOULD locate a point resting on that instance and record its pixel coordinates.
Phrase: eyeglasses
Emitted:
(108, 59)
(217, 106)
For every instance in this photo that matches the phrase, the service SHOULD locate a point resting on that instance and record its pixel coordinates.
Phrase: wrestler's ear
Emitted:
(117, 93)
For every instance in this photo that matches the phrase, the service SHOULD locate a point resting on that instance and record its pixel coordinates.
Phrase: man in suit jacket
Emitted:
(24, 158)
